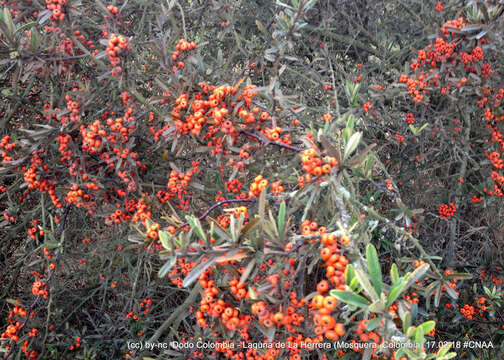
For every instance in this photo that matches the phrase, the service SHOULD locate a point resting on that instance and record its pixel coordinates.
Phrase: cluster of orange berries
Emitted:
(73, 107)
(7, 145)
(277, 188)
(117, 45)
(78, 197)
(335, 262)
(273, 134)
(9, 217)
(315, 166)
(446, 211)
(132, 315)
(40, 289)
(76, 345)
(142, 212)
(367, 106)
(325, 324)
(113, 10)
(180, 269)
(18, 310)
(366, 337)
(327, 117)
(239, 211)
(467, 311)
(439, 7)
(11, 331)
(56, 6)
(415, 87)
(259, 184)
(182, 45)
(31, 355)
(237, 288)
(410, 118)
(152, 231)
(146, 303)
(209, 306)
(495, 159)
(456, 23)
(91, 136)
(177, 186)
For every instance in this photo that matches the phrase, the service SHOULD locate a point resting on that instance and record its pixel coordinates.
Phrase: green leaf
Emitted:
(164, 236)
(352, 144)
(395, 292)
(51, 245)
(196, 226)
(437, 296)
(419, 336)
(281, 217)
(350, 298)
(262, 29)
(459, 276)
(373, 323)
(418, 273)
(428, 326)
(377, 307)
(167, 267)
(350, 123)
(443, 354)
(7, 18)
(374, 268)
(394, 273)
(406, 320)
(366, 285)
(354, 284)
(198, 270)
(451, 293)
(25, 26)
(349, 274)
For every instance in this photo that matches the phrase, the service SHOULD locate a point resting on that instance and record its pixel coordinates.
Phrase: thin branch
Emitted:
(268, 142)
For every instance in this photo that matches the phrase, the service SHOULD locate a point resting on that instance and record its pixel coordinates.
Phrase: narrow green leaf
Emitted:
(394, 273)
(437, 296)
(350, 298)
(167, 267)
(281, 217)
(419, 336)
(459, 276)
(164, 237)
(248, 270)
(349, 274)
(374, 268)
(373, 323)
(395, 292)
(8, 21)
(428, 326)
(406, 320)
(417, 274)
(198, 270)
(366, 284)
(352, 144)
(197, 228)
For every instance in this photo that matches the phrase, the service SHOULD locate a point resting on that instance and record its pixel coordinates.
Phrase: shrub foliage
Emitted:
(251, 179)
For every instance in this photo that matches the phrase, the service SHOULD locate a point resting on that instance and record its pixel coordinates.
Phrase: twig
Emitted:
(267, 141)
